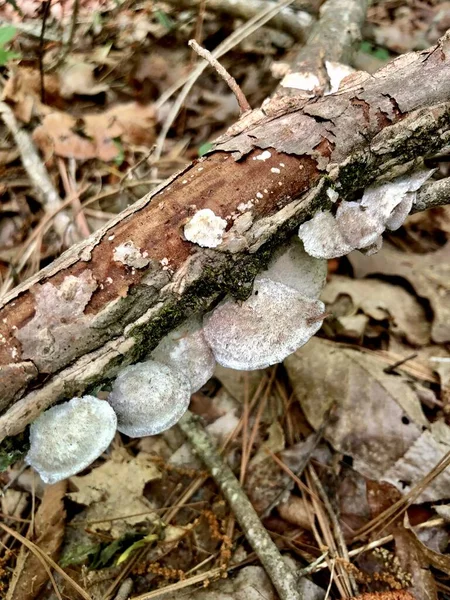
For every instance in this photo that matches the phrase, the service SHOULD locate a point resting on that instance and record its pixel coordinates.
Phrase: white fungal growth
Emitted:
(263, 156)
(274, 322)
(148, 398)
(67, 438)
(130, 256)
(205, 229)
(359, 225)
(322, 237)
(297, 269)
(185, 349)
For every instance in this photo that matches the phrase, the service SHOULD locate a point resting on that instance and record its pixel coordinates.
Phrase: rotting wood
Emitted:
(77, 322)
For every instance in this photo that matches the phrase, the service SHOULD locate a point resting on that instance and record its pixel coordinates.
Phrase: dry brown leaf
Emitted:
(414, 562)
(428, 274)
(115, 489)
(49, 533)
(382, 301)
(418, 461)
(56, 136)
(23, 91)
(78, 78)
(377, 416)
(137, 122)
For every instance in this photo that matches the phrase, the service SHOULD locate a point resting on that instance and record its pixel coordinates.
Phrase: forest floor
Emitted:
(342, 450)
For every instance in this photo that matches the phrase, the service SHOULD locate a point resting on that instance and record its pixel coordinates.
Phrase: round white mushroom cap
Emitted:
(186, 350)
(67, 438)
(297, 269)
(274, 322)
(148, 398)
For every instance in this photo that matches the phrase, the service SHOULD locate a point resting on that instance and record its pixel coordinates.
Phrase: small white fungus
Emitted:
(359, 225)
(186, 350)
(205, 229)
(263, 156)
(148, 398)
(131, 256)
(322, 237)
(274, 322)
(68, 437)
(336, 73)
(297, 269)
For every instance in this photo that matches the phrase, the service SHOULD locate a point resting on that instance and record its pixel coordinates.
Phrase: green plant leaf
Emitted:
(7, 32)
(204, 148)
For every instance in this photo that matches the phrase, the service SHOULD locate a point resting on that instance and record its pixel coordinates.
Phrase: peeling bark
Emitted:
(78, 322)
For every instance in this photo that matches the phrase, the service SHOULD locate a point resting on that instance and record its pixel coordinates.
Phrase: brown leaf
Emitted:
(49, 524)
(377, 416)
(428, 274)
(413, 561)
(382, 301)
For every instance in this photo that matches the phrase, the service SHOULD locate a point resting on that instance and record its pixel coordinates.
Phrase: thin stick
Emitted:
(282, 577)
(68, 45)
(244, 106)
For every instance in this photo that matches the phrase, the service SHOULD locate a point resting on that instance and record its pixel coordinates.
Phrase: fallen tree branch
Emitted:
(78, 322)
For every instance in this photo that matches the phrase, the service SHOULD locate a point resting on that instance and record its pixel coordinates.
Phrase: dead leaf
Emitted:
(428, 274)
(78, 78)
(115, 489)
(414, 561)
(49, 534)
(381, 301)
(56, 136)
(23, 92)
(418, 461)
(377, 416)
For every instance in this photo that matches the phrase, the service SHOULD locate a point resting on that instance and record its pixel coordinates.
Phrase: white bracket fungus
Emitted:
(205, 229)
(274, 322)
(148, 398)
(360, 224)
(185, 349)
(130, 256)
(297, 269)
(68, 437)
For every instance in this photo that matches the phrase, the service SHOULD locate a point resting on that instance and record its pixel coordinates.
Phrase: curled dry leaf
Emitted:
(428, 274)
(377, 416)
(382, 301)
(377, 419)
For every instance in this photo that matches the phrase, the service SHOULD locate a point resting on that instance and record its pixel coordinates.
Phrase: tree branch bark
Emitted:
(79, 321)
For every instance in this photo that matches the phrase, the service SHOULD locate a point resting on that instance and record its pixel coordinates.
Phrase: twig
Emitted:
(41, 48)
(68, 45)
(244, 106)
(282, 577)
(399, 363)
(38, 174)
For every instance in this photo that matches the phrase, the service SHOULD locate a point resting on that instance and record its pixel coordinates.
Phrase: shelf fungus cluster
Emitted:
(281, 315)
(147, 398)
